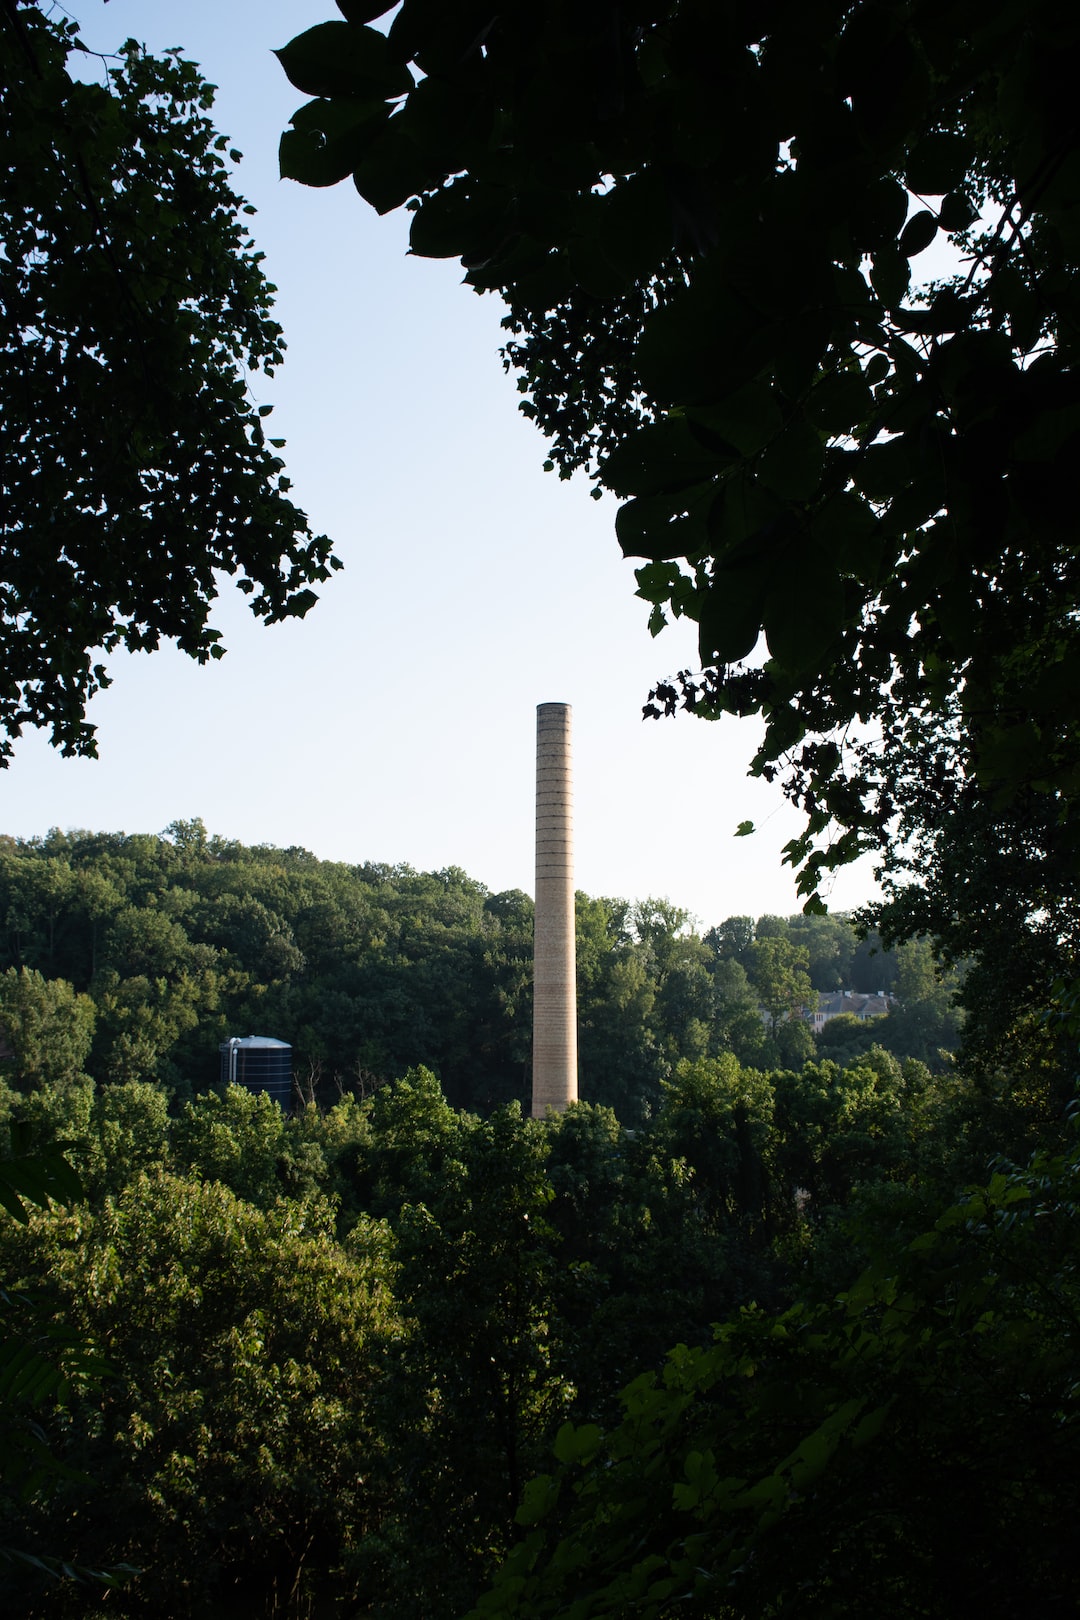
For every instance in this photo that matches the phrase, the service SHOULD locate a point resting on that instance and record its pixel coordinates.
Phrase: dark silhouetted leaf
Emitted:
(327, 140)
(338, 59)
(748, 419)
(661, 455)
(957, 212)
(463, 220)
(890, 276)
(918, 233)
(729, 614)
(791, 465)
(850, 535)
(803, 611)
(363, 11)
(664, 526)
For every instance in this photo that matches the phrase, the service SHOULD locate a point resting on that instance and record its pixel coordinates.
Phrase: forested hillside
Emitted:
(338, 1347)
(318, 1364)
(132, 957)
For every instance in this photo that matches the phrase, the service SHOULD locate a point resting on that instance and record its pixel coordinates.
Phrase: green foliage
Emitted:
(36, 1178)
(716, 1120)
(235, 1139)
(45, 1027)
(129, 1134)
(840, 1126)
(846, 469)
(342, 1342)
(136, 310)
(42, 1363)
(997, 896)
(181, 940)
(846, 1038)
(478, 1390)
(233, 1447)
(779, 974)
(168, 945)
(830, 945)
(910, 1447)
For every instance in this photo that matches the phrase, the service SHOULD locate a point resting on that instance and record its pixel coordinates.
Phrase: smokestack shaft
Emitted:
(554, 968)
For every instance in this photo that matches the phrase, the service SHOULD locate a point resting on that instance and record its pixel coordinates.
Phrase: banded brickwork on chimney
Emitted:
(554, 967)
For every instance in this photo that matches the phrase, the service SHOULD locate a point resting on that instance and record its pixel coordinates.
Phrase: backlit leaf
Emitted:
(918, 233)
(338, 59)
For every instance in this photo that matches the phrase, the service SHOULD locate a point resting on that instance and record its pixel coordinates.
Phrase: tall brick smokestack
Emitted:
(554, 971)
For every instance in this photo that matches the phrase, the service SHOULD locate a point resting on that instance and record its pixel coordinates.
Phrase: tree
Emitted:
(40, 1365)
(717, 1118)
(732, 940)
(475, 1390)
(235, 1138)
(136, 464)
(831, 942)
(997, 894)
(909, 1448)
(46, 1029)
(704, 221)
(778, 973)
(234, 1447)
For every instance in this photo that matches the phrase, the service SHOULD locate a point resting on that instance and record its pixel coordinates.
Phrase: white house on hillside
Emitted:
(861, 1006)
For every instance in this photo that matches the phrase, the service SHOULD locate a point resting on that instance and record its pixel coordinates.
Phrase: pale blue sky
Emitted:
(396, 723)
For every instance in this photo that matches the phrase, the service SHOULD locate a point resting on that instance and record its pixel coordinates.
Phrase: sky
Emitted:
(396, 722)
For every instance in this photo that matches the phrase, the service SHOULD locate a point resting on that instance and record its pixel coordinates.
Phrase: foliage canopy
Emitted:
(136, 466)
(707, 221)
(908, 1447)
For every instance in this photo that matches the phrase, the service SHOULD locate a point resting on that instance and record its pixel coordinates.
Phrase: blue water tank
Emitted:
(259, 1063)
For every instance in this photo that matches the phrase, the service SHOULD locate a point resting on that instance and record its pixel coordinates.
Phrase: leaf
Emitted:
(1013, 300)
(748, 419)
(392, 169)
(364, 11)
(328, 140)
(957, 212)
(744, 512)
(1047, 435)
(791, 465)
(712, 329)
(658, 581)
(729, 613)
(803, 611)
(1009, 756)
(463, 220)
(918, 233)
(577, 1445)
(879, 213)
(338, 59)
(744, 829)
(537, 1500)
(38, 1178)
(659, 456)
(890, 276)
(882, 470)
(892, 99)
(25, 1375)
(849, 533)
(841, 400)
(948, 312)
(436, 133)
(633, 224)
(660, 527)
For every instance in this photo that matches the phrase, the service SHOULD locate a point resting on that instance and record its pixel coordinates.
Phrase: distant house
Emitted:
(859, 1006)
